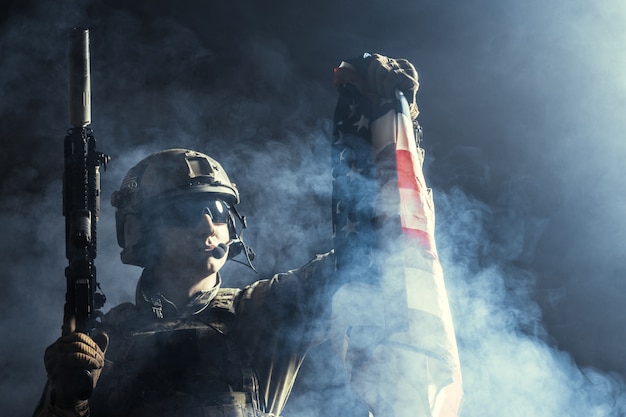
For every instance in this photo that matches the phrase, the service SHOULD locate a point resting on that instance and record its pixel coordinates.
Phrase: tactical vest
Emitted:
(188, 367)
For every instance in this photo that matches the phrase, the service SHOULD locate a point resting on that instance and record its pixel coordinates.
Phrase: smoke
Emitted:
(510, 366)
(542, 102)
(522, 105)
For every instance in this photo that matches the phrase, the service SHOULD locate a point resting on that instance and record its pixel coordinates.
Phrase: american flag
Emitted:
(383, 224)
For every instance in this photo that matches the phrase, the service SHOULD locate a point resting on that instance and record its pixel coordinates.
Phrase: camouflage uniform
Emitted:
(235, 353)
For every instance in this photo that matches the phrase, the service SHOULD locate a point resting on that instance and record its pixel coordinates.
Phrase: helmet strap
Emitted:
(238, 242)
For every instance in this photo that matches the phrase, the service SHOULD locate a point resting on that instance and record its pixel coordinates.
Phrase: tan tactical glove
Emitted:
(378, 77)
(385, 75)
(66, 361)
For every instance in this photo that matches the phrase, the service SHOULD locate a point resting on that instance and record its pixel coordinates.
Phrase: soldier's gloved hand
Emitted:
(385, 75)
(66, 361)
(378, 76)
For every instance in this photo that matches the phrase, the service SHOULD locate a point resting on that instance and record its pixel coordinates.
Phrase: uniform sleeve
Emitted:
(391, 320)
(280, 319)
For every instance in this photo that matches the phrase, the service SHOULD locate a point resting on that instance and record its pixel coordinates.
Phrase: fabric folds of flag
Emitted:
(396, 334)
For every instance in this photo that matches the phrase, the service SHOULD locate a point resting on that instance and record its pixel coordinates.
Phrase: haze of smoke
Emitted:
(509, 368)
(141, 106)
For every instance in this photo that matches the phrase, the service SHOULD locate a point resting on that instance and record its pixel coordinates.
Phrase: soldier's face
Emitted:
(187, 249)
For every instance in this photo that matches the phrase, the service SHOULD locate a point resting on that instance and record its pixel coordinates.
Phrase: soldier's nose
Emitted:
(207, 224)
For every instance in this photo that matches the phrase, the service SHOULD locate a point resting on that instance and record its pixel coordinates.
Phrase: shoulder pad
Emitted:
(225, 300)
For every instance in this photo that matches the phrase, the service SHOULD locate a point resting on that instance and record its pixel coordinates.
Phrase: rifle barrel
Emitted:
(79, 78)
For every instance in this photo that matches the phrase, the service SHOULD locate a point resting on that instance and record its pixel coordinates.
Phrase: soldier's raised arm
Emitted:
(391, 319)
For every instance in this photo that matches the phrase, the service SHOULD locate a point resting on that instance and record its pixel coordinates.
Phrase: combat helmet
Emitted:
(163, 177)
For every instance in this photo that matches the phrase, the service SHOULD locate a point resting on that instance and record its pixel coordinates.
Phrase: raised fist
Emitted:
(385, 75)
(378, 77)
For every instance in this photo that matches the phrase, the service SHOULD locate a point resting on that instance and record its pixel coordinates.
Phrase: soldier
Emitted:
(188, 346)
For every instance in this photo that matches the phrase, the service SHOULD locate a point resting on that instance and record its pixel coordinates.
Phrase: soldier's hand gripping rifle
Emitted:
(81, 202)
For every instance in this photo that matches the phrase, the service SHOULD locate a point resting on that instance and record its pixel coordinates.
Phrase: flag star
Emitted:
(339, 137)
(362, 123)
(350, 227)
(341, 157)
(354, 173)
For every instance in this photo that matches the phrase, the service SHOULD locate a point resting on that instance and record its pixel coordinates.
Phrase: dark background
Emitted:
(522, 104)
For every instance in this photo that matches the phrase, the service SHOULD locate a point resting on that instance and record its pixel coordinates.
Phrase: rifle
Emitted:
(81, 200)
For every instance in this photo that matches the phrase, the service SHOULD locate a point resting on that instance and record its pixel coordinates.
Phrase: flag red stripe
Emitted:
(406, 173)
(424, 239)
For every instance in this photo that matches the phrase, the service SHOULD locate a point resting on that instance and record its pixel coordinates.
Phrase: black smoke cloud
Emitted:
(522, 106)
